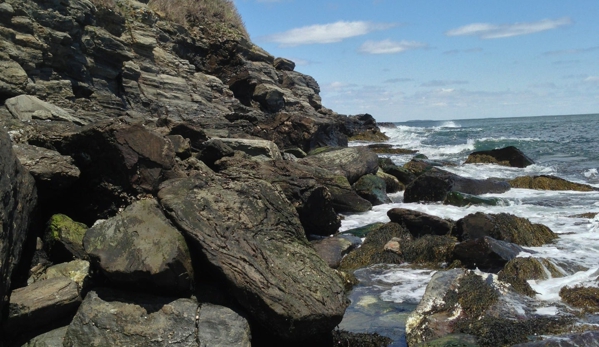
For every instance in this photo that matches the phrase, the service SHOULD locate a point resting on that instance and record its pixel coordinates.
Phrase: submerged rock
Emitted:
(250, 235)
(548, 183)
(508, 156)
(504, 227)
(586, 339)
(585, 298)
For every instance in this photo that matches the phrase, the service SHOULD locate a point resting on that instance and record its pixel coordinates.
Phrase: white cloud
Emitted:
(389, 47)
(592, 79)
(496, 31)
(442, 83)
(325, 33)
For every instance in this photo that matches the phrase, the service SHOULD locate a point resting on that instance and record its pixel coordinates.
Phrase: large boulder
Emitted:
(248, 232)
(140, 249)
(504, 227)
(403, 175)
(419, 223)
(548, 183)
(353, 162)
(112, 318)
(435, 185)
(507, 156)
(19, 198)
(311, 199)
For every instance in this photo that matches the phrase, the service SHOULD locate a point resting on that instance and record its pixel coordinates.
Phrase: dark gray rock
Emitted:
(505, 227)
(435, 184)
(353, 162)
(111, 318)
(462, 199)
(486, 253)
(332, 249)
(392, 184)
(403, 175)
(311, 199)
(419, 223)
(140, 249)
(52, 338)
(284, 64)
(19, 198)
(63, 238)
(247, 231)
(40, 304)
(508, 156)
(373, 189)
(219, 326)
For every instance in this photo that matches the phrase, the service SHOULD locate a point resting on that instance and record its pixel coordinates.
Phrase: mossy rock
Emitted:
(365, 230)
(347, 339)
(485, 159)
(473, 294)
(589, 215)
(548, 183)
(372, 188)
(429, 249)
(324, 149)
(586, 298)
(453, 340)
(372, 250)
(392, 184)
(390, 150)
(64, 238)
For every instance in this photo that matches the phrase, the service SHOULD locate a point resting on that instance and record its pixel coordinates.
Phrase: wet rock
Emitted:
(384, 148)
(40, 304)
(419, 223)
(462, 200)
(508, 156)
(107, 317)
(52, 338)
(63, 238)
(392, 184)
(436, 184)
(519, 270)
(373, 250)
(420, 165)
(17, 187)
(585, 298)
(247, 232)
(373, 189)
(452, 340)
(284, 64)
(477, 304)
(332, 249)
(365, 230)
(353, 162)
(504, 227)
(348, 339)
(140, 249)
(548, 183)
(486, 253)
(403, 175)
(430, 250)
(586, 339)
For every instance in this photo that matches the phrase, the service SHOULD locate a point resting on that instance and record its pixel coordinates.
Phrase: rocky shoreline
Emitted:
(165, 186)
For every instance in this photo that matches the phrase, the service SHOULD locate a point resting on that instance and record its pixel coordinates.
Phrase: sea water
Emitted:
(563, 146)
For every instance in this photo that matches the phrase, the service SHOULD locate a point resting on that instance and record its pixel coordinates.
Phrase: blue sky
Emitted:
(438, 59)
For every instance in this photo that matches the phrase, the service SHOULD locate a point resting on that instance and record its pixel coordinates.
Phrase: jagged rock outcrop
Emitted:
(353, 162)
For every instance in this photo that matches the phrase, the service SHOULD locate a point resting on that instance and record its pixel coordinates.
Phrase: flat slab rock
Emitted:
(112, 318)
(250, 234)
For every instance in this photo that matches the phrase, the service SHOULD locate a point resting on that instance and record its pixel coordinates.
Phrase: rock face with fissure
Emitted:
(248, 232)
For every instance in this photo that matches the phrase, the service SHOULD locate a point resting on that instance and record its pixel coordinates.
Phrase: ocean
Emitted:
(563, 146)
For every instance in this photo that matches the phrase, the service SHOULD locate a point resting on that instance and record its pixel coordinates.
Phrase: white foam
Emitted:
(408, 285)
(547, 311)
(549, 289)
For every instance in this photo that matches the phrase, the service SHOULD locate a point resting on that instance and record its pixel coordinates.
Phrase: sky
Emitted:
(438, 59)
